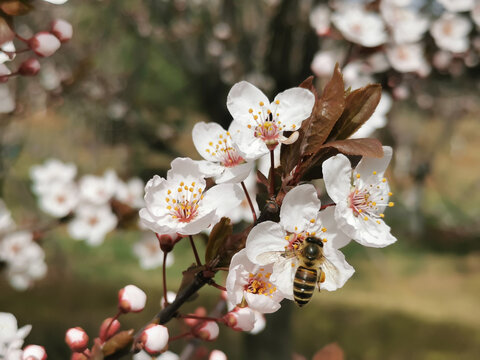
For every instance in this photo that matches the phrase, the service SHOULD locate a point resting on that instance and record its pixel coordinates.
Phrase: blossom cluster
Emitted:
(12, 338)
(392, 41)
(23, 257)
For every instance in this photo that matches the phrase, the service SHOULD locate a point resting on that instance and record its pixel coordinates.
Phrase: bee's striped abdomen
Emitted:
(304, 285)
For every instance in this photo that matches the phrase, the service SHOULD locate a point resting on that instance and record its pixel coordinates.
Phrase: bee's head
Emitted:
(313, 248)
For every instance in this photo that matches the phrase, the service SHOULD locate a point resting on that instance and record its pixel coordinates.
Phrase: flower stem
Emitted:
(164, 274)
(205, 318)
(220, 287)
(249, 201)
(181, 336)
(197, 258)
(117, 315)
(271, 175)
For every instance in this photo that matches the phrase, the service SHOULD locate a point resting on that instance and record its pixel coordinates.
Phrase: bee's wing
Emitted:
(270, 257)
(330, 270)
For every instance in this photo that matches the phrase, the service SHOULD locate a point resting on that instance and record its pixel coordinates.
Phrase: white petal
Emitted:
(199, 224)
(295, 105)
(244, 96)
(335, 237)
(210, 169)
(222, 198)
(265, 243)
(249, 146)
(300, 205)
(337, 174)
(368, 165)
(205, 133)
(235, 174)
(262, 303)
(336, 276)
(283, 275)
(185, 169)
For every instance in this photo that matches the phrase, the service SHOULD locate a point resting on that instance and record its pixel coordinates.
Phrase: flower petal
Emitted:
(299, 207)
(235, 174)
(368, 165)
(337, 174)
(335, 237)
(295, 105)
(337, 275)
(262, 303)
(242, 97)
(265, 243)
(222, 198)
(283, 274)
(205, 136)
(249, 146)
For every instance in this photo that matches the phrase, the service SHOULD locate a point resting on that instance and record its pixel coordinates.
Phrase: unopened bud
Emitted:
(76, 339)
(240, 319)
(200, 311)
(34, 352)
(44, 44)
(154, 339)
(62, 29)
(4, 72)
(217, 355)
(207, 331)
(167, 241)
(29, 67)
(112, 329)
(78, 356)
(131, 299)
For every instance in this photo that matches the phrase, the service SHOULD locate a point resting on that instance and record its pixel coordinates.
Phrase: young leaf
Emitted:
(220, 232)
(363, 147)
(120, 341)
(15, 7)
(6, 26)
(359, 106)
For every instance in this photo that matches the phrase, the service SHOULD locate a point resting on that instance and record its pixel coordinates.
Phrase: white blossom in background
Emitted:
(130, 192)
(149, 253)
(475, 14)
(60, 200)
(98, 190)
(6, 221)
(378, 119)
(7, 101)
(8, 47)
(34, 352)
(243, 211)
(377, 62)
(217, 355)
(324, 62)
(406, 24)
(457, 5)
(357, 74)
(222, 159)
(51, 174)
(180, 204)
(361, 197)
(25, 259)
(251, 282)
(258, 125)
(450, 32)
(167, 355)
(11, 337)
(56, 2)
(92, 223)
(277, 243)
(361, 27)
(320, 19)
(263, 163)
(406, 57)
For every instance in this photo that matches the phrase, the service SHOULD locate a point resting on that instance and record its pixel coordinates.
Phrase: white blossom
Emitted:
(180, 204)
(60, 200)
(258, 125)
(92, 223)
(406, 24)
(6, 221)
(243, 211)
(450, 32)
(98, 190)
(406, 57)
(360, 201)
(11, 337)
(324, 62)
(222, 158)
(51, 174)
(361, 27)
(457, 5)
(149, 253)
(130, 192)
(320, 19)
(281, 243)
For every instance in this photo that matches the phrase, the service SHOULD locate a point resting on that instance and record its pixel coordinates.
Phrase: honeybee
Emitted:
(311, 271)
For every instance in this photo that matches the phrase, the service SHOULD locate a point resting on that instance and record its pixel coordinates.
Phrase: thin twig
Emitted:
(197, 258)
(249, 202)
(271, 174)
(164, 271)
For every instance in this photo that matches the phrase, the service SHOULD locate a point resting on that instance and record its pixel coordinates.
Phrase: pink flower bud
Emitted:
(154, 339)
(76, 339)
(207, 331)
(167, 241)
(217, 355)
(104, 336)
(29, 67)
(62, 29)
(240, 319)
(4, 71)
(224, 295)
(44, 44)
(34, 352)
(200, 311)
(131, 299)
(78, 356)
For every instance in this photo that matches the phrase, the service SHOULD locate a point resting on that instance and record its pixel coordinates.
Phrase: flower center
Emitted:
(367, 199)
(267, 125)
(224, 151)
(183, 202)
(260, 284)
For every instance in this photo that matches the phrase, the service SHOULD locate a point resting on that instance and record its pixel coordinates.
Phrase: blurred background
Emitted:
(125, 92)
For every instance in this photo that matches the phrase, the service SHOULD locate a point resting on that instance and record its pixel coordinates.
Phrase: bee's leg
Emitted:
(320, 278)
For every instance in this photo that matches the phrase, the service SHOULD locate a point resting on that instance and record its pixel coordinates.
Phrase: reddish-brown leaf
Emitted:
(359, 106)
(363, 147)
(219, 234)
(118, 342)
(328, 109)
(329, 352)
(15, 7)
(6, 32)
